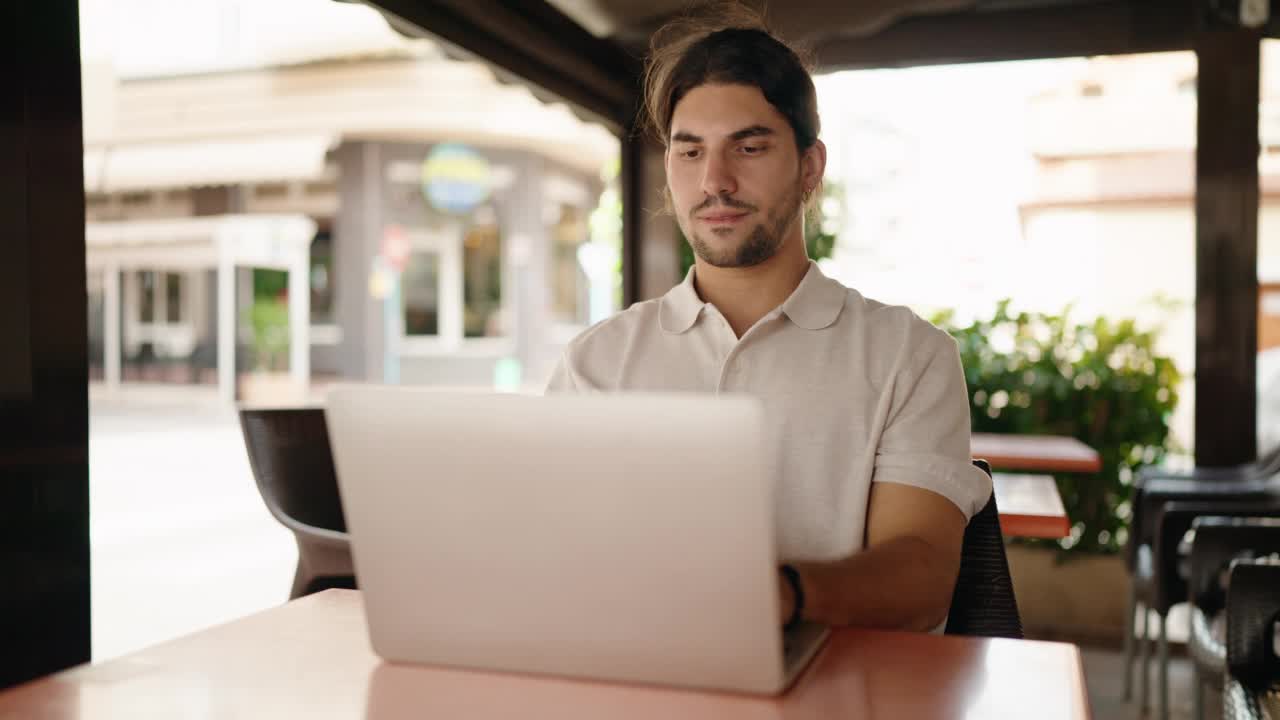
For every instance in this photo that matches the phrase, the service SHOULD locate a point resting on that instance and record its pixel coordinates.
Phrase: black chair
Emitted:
(1157, 558)
(1219, 541)
(983, 602)
(1252, 682)
(1195, 481)
(293, 466)
(1198, 483)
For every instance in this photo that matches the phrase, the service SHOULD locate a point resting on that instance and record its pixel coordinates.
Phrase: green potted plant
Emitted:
(1102, 382)
(269, 318)
(268, 379)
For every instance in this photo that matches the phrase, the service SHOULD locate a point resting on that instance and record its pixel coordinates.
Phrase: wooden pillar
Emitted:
(44, 356)
(632, 180)
(650, 250)
(1226, 247)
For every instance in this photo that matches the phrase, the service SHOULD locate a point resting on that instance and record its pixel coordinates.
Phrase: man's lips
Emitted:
(722, 217)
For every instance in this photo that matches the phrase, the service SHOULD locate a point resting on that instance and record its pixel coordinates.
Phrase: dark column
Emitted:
(1226, 247)
(632, 177)
(650, 241)
(44, 407)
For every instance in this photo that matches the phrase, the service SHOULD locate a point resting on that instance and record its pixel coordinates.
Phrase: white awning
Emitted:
(269, 241)
(230, 161)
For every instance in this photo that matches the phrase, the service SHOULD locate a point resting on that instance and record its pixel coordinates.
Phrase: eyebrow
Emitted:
(746, 132)
(753, 131)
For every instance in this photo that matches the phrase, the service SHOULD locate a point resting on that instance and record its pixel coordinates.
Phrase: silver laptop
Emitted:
(614, 537)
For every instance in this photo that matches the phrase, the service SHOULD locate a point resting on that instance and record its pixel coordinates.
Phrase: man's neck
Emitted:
(744, 295)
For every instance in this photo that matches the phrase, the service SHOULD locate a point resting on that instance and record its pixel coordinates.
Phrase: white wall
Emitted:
(1113, 262)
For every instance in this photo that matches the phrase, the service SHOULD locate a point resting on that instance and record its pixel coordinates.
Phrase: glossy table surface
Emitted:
(1030, 506)
(311, 659)
(1039, 453)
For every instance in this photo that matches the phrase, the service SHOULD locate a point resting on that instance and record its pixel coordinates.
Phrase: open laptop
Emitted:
(614, 537)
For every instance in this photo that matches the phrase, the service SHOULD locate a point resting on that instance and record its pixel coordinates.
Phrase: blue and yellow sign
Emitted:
(455, 178)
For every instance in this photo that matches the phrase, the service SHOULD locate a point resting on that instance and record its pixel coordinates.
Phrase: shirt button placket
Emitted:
(732, 376)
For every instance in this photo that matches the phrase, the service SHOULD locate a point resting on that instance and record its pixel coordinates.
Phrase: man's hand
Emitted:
(786, 600)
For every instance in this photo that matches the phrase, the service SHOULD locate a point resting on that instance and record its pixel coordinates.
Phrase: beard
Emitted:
(761, 243)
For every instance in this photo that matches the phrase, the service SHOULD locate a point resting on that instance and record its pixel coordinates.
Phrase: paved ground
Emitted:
(1104, 674)
(179, 535)
(181, 539)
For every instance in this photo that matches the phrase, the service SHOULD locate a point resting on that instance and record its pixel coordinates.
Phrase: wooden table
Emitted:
(1039, 453)
(1030, 506)
(311, 659)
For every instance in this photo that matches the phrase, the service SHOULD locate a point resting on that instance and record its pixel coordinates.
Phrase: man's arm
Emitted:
(904, 577)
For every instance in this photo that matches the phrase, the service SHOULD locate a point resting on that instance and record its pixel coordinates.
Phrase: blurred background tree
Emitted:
(1100, 382)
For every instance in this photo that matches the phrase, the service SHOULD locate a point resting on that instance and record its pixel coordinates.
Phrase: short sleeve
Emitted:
(925, 442)
(562, 380)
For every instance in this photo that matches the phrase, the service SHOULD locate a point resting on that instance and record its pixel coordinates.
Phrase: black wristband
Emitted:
(797, 591)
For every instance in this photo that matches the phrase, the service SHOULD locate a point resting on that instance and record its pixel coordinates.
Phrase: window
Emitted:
(136, 199)
(271, 191)
(97, 321)
(420, 294)
(322, 278)
(173, 298)
(320, 188)
(482, 282)
(146, 297)
(570, 287)
(431, 292)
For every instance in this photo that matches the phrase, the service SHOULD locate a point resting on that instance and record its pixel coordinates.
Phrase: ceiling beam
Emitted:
(537, 44)
(1097, 28)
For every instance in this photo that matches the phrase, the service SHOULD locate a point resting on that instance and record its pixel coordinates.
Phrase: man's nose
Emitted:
(717, 180)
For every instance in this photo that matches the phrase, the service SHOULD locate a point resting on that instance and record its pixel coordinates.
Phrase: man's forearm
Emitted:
(901, 584)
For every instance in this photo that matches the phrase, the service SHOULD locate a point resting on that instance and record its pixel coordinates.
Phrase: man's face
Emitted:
(735, 174)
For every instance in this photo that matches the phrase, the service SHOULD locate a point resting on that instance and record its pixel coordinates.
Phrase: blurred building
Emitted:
(431, 223)
(1111, 202)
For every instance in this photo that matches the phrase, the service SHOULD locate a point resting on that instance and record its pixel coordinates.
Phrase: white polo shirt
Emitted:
(854, 391)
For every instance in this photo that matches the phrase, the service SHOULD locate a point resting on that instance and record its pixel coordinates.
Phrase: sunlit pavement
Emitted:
(180, 538)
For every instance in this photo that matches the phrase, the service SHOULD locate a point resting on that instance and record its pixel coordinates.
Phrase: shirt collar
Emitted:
(680, 306)
(814, 304)
(817, 301)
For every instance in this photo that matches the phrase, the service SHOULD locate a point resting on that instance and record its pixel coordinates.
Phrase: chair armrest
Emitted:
(1218, 540)
(1149, 498)
(1267, 464)
(1241, 703)
(1154, 473)
(1172, 521)
(1253, 605)
(1165, 490)
(1205, 647)
(316, 535)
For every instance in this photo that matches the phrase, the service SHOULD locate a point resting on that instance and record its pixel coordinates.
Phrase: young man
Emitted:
(867, 402)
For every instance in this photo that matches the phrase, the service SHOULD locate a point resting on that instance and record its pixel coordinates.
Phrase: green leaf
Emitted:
(1100, 382)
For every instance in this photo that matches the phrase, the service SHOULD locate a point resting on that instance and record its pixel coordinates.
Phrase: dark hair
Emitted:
(730, 46)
